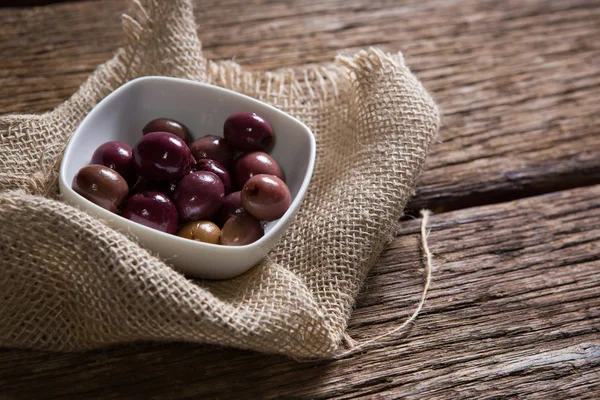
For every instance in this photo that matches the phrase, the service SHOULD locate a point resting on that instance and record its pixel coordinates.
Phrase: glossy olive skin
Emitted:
(266, 197)
(168, 125)
(214, 148)
(255, 163)
(152, 209)
(202, 231)
(248, 132)
(117, 156)
(199, 195)
(241, 230)
(216, 168)
(101, 185)
(162, 155)
(151, 185)
(232, 205)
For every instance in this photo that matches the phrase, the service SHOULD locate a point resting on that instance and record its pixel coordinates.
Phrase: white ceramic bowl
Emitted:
(203, 109)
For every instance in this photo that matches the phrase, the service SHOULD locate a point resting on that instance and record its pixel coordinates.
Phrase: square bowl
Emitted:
(203, 109)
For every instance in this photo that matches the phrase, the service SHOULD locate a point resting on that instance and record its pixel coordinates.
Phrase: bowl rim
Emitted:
(66, 186)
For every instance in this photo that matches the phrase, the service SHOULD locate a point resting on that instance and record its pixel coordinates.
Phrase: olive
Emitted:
(216, 168)
(248, 131)
(232, 205)
(101, 185)
(117, 156)
(241, 230)
(202, 231)
(152, 209)
(151, 185)
(212, 147)
(168, 125)
(199, 195)
(250, 164)
(266, 197)
(162, 155)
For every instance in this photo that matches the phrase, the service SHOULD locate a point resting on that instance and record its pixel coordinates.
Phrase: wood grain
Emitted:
(517, 82)
(514, 311)
(27, 3)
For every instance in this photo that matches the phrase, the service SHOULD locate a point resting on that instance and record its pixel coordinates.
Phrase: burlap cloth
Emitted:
(69, 282)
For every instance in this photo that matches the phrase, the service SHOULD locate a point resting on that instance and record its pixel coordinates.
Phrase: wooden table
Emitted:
(514, 310)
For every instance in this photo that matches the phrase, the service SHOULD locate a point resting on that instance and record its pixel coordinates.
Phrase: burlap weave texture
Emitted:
(69, 282)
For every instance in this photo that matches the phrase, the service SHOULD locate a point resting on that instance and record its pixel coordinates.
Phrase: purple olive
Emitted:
(241, 230)
(250, 164)
(212, 147)
(152, 209)
(216, 168)
(168, 125)
(248, 132)
(102, 186)
(266, 197)
(117, 156)
(199, 195)
(151, 185)
(232, 205)
(162, 155)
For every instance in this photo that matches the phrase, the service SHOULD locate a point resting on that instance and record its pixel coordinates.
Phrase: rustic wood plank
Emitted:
(517, 82)
(28, 3)
(514, 312)
(514, 309)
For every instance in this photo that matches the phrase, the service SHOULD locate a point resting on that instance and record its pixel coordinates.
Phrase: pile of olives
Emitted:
(213, 189)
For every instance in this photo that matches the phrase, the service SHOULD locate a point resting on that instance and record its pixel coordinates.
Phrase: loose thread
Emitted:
(428, 260)
(351, 343)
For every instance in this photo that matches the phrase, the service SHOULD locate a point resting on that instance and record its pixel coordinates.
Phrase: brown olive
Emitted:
(266, 197)
(241, 230)
(168, 125)
(250, 164)
(202, 231)
(102, 186)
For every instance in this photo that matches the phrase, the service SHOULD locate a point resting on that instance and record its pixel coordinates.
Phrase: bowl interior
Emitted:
(202, 108)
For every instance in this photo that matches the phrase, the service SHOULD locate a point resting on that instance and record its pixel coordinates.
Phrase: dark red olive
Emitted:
(212, 147)
(232, 205)
(152, 185)
(101, 185)
(152, 209)
(250, 164)
(168, 125)
(241, 230)
(248, 131)
(199, 195)
(266, 197)
(117, 156)
(216, 168)
(162, 155)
